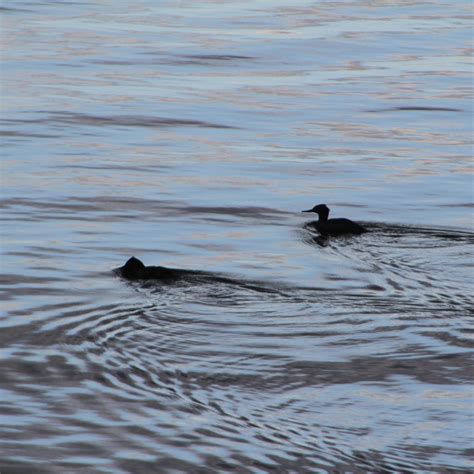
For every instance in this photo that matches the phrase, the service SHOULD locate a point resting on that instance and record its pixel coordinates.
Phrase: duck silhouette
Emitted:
(338, 226)
(135, 269)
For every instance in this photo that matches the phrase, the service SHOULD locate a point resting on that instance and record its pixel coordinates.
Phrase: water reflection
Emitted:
(191, 136)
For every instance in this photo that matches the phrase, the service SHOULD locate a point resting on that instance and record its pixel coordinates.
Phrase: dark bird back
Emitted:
(135, 269)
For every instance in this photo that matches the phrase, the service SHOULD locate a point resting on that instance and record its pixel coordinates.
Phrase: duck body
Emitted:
(338, 226)
(135, 269)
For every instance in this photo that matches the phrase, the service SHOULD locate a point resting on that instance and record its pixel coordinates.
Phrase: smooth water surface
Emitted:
(191, 135)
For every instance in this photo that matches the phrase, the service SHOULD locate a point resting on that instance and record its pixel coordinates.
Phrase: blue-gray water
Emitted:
(192, 134)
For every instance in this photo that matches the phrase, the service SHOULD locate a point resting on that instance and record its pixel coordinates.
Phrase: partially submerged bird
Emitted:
(339, 226)
(135, 269)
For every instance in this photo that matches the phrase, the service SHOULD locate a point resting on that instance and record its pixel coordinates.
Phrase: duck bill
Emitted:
(307, 210)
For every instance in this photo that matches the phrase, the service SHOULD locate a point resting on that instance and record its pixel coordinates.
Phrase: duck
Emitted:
(338, 226)
(135, 269)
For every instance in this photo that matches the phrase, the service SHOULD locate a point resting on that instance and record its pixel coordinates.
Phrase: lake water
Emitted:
(191, 135)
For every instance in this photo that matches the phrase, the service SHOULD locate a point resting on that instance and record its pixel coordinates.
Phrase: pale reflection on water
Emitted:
(192, 136)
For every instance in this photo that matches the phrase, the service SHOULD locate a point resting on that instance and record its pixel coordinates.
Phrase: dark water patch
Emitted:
(253, 212)
(51, 205)
(417, 109)
(111, 62)
(294, 375)
(81, 209)
(14, 10)
(462, 340)
(71, 118)
(210, 59)
(15, 279)
(218, 57)
(462, 204)
(113, 208)
(426, 368)
(15, 134)
(11, 465)
(70, 65)
(61, 2)
(198, 59)
(118, 168)
(152, 58)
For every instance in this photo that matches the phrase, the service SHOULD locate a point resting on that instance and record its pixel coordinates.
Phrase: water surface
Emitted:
(192, 135)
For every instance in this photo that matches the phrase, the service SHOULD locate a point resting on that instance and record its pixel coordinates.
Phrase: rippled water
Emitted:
(191, 135)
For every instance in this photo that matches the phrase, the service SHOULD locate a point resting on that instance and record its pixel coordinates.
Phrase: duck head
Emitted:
(321, 209)
(132, 268)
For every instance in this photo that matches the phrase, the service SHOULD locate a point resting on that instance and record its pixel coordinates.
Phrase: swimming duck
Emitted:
(135, 269)
(337, 226)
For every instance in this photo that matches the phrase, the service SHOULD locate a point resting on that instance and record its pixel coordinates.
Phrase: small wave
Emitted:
(70, 118)
(416, 109)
